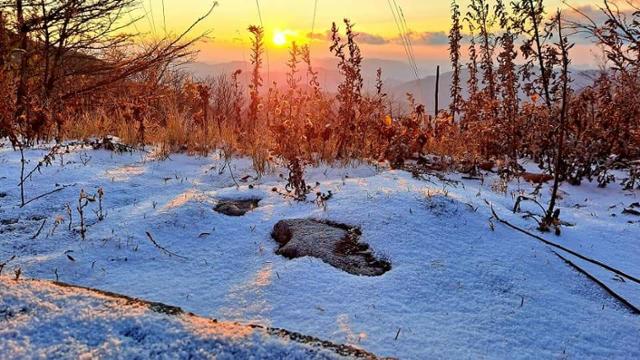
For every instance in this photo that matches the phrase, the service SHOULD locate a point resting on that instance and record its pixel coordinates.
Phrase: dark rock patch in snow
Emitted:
(7, 229)
(9, 221)
(633, 209)
(236, 207)
(36, 218)
(336, 244)
(3, 194)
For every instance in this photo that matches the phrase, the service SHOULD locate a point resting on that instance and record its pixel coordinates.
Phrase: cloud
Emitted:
(319, 36)
(578, 13)
(362, 38)
(429, 38)
(371, 39)
(426, 38)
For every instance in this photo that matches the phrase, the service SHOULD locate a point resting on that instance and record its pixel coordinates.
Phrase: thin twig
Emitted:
(516, 206)
(45, 194)
(552, 244)
(45, 161)
(164, 250)
(232, 176)
(617, 296)
(39, 230)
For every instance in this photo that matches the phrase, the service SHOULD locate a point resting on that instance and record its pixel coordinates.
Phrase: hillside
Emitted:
(394, 72)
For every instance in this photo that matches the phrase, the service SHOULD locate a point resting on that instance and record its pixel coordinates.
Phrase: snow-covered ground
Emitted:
(461, 285)
(43, 320)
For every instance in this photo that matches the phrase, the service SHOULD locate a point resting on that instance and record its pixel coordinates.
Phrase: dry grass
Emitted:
(302, 123)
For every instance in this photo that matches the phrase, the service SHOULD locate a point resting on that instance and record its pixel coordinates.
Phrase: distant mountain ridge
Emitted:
(397, 77)
(424, 89)
(394, 73)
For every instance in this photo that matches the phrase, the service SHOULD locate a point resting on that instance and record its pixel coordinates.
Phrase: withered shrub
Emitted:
(505, 112)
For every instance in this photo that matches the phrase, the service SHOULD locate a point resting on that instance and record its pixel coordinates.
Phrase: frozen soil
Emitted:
(461, 285)
(335, 244)
(236, 207)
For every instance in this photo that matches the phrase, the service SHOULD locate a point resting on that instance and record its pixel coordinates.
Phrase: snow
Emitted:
(42, 320)
(457, 288)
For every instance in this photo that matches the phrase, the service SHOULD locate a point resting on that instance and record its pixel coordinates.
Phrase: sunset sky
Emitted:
(288, 20)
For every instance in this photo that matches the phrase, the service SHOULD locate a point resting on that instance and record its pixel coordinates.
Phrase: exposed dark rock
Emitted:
(9, 221)
(631, 211)
(236, 207)
(335, 244)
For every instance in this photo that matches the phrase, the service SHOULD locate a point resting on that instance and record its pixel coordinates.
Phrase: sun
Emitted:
(280, 38)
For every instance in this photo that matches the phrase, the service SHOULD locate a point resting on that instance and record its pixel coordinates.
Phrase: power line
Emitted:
(152, 27)
(315, 13)
(403, 24)
(408, 37)
(395, 19)
(153, 20)
(259, 13)
(266, 50)
(403, 38)
(164, 19)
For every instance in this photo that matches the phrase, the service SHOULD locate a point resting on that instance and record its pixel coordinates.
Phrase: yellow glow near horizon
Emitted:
(286, 21)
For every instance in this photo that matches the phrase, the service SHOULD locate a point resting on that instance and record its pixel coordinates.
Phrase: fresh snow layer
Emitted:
(41, 320)
(457, 288)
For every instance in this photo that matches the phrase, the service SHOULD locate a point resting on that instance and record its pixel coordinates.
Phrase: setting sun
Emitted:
(280, 38)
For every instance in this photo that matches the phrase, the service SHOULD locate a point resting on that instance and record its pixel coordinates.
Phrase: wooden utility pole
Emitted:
(437, 108)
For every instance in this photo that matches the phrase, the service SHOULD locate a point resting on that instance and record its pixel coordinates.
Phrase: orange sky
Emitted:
(293, 20)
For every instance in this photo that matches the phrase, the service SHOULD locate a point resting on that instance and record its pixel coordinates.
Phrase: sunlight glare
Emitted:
(280, 38)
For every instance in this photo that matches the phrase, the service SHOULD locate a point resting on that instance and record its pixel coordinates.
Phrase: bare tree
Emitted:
(455, 38)
(552, 215)
(481, 19)
(529, 16)
(619, 33)
(257, 58)
(508, 81)
(72, 48)
(349, 95)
